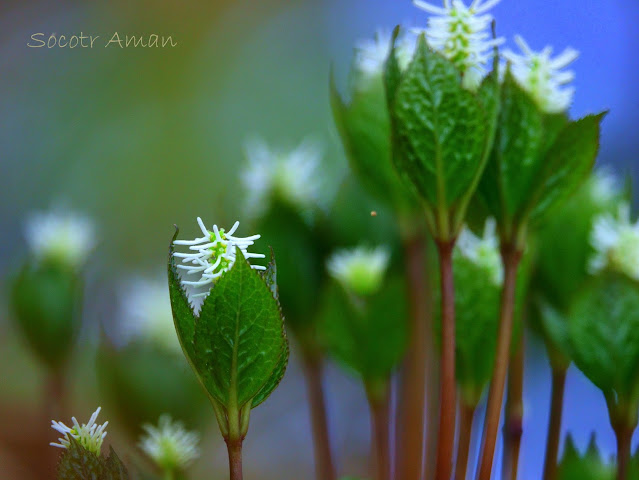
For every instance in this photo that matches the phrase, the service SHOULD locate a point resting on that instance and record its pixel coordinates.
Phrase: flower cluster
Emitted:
(616, 243)
(170, 445)
(484, 251)
(215, 254)
(360, 270)
(462, 35)
(371, 54)
(60, 235)
(292, 176)
(145, 312)
(90, 435)
(541, 75)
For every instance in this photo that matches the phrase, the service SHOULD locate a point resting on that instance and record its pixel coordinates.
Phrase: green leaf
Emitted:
(439, 133)
(114, 468)
(588, 466)
(364, 127)
(366, 335)
(567, 163)
(78, 463)
(239, 338)
(45, 300)
(604, 335)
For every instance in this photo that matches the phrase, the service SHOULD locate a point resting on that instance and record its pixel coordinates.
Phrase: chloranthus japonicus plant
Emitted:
(235, 341)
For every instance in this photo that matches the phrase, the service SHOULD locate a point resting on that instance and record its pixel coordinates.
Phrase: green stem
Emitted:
(324, 466)
(513, 425)
(418, 376)
(554, 423)
(510, 258)
(169, 475)
(466, 414)
(447, 404)
(379, 402)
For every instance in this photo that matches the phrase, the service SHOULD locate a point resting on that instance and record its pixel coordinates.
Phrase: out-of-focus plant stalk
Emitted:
(513, 426)
(324, 465)
(447, 403)
(511, 255)
(466, 415)
(623, 434)
(378, 394)
(418, 380)
(554, 422)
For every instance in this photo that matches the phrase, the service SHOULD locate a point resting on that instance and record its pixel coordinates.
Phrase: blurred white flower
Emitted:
(361, 269)
(604, 186)
(616, 243)
(215, 254)
(484, 251)
(170, 445)
(371, 54)
(462, 34)
(60, 235)
(90, 435)
(145, 312)
(542, 77)
(293, 176)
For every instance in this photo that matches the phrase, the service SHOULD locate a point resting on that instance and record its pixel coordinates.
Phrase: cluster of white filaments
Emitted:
(214, 254)
(292, 176)
(170, 445)
(371, 54)
(145, 312)
(361, 269)
(541, 75)
(462, 34)
(484, 251)
(60, 235)
(604, 187)
(90, 435)
(616, 243)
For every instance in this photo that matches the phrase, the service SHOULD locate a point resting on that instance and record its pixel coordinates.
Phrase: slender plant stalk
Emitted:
(379, 403)
(324, 466)
(554, 423)
(419, 376)
(510, 259)
(513, 427)
(234, 447)
(624, 437)
(54, 409)
(466, 415)
(447, 404)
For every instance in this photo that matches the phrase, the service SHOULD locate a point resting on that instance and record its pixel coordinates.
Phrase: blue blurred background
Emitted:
(142, 139)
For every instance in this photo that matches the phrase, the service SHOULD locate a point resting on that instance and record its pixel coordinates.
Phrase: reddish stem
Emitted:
(513, 426)
(510, 259)
(447, 405)
(380, 432)
(466, 414)
(554, 423)
(624, 437)
(235, 458)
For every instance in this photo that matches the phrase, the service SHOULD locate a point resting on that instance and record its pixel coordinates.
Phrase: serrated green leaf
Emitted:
(183, 315)
(567, 164)
(604, 335)
(239, 338)
(114, 468)
(78, 463)
(439, 130)
(273, 381)
(392, 71)
(364, 128)
(589, 466)
(367, 335)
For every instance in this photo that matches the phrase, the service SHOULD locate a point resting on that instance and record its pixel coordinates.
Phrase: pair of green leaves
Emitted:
(237, 345)
(603, 328)
(537, 160)
(368, 335)
(441, 133)
(78, 463)
(46, 298)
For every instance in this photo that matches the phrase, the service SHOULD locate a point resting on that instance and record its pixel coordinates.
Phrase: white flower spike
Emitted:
(462, 34)
(293, 176)
(90, 435)
(483, 252)
(60, 235)
(215, 254)
(616, 243)
(604, 187)
(360, 270)
(170, 445)
(371, 54)
(541, 76)
(145, 312)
